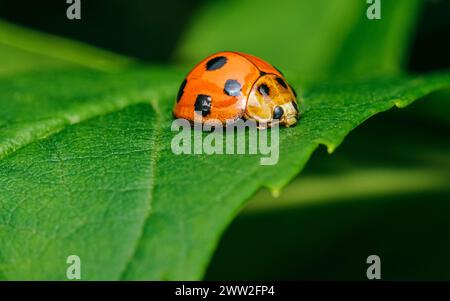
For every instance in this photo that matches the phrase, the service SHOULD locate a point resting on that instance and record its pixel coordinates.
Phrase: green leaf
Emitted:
(97, 178)
(13, 60)
(327, 38)
(38, 104)
(377, 47)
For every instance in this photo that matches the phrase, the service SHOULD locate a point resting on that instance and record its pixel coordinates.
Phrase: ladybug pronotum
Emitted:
(233, 85)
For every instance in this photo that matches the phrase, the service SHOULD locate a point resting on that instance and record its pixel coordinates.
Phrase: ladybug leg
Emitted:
(262, 127)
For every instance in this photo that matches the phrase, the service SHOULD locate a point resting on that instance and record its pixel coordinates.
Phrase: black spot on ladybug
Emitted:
(203, 104)
(216, 63)
(293, 90)
(278, 112)
(281, 82)
(181, 90)
(294, 104)
(264, 89)
(232, 87)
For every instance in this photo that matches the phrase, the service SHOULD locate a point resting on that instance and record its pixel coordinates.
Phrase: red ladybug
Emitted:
(232, 85)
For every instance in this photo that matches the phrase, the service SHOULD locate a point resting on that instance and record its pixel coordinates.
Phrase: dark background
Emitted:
(150, 30)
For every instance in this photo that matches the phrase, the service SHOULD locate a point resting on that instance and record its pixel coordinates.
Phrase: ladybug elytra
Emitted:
(233, 85)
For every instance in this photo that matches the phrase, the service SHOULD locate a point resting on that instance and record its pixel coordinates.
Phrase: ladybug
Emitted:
(228, 86)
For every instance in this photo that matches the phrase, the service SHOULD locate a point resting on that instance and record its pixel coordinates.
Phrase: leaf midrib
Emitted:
(154, 157)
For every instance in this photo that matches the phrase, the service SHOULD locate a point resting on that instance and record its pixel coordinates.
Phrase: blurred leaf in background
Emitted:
(326, 38)
(21, 51)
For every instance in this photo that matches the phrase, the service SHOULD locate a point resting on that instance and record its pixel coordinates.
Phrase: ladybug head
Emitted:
(272, 100)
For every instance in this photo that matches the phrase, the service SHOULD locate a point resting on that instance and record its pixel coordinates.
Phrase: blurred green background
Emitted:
(385, 191)
(164, 31)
